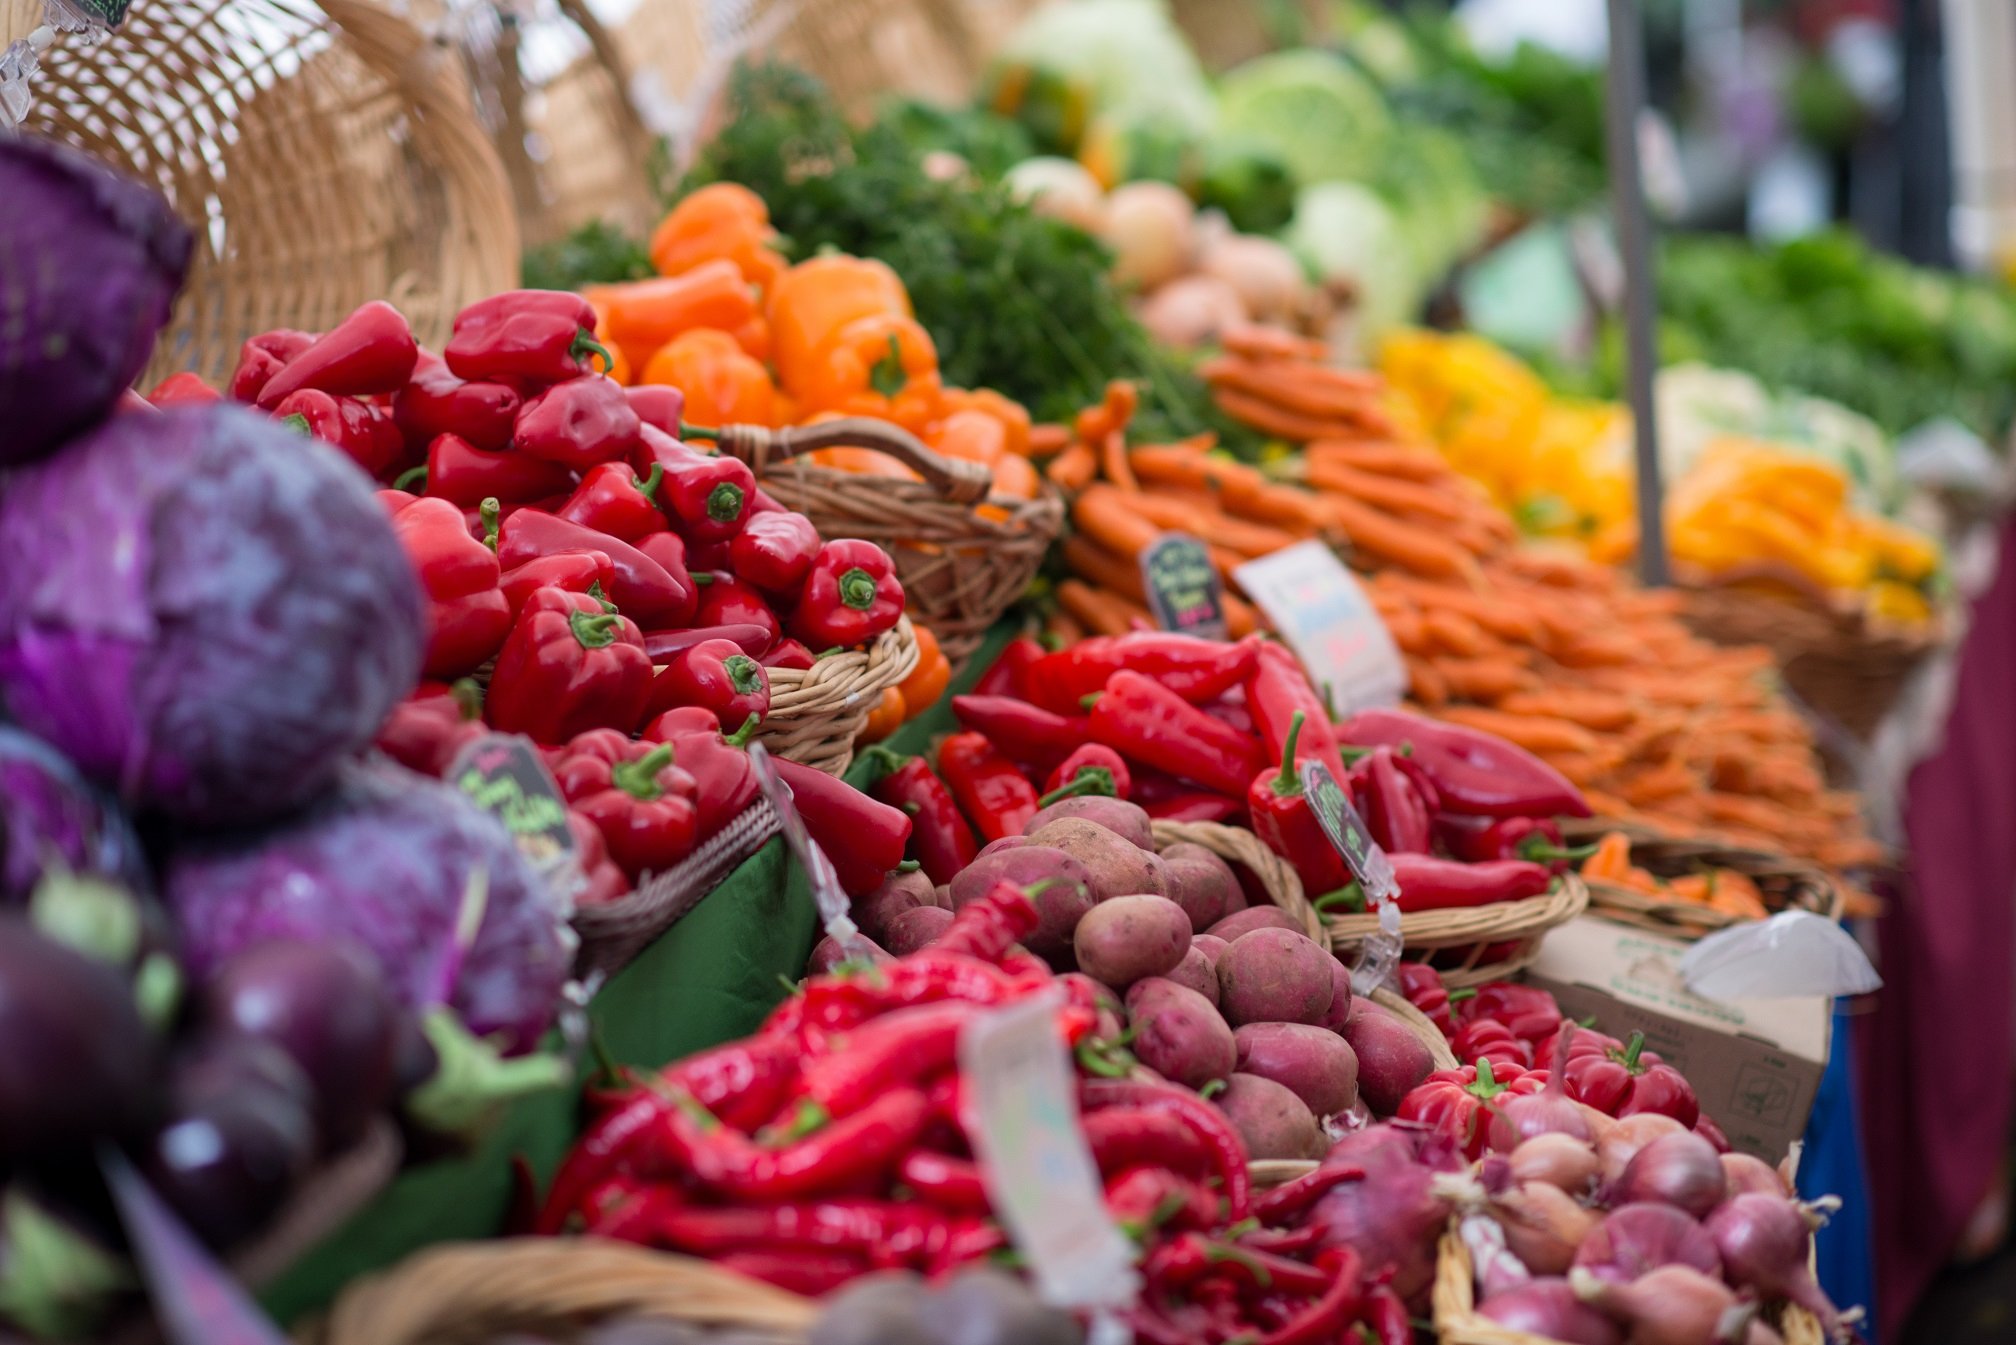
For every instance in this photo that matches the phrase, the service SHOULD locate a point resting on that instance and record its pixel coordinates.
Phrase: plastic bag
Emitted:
(1793, 955)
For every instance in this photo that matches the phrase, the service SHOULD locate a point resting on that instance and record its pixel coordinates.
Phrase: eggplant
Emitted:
(239, 1139)
(77, 1063)
(328, 1007)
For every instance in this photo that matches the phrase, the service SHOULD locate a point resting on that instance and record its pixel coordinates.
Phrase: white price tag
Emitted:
(1318, 607)
(1038, 1168)
(835, 911)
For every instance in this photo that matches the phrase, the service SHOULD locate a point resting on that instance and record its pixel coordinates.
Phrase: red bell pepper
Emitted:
(634, 793)
(1421, 985)
(1393, 809)
(715, 675)
(459, 471)
(1275, 689)
(183, 390)
(1459, 1103)
(727, 601)
(579, 424)
(851, 596)
(665, 645)
(604, 880)
(658, 405)
(1430, 883)
(1146, 722)
(1489, 1039)
(467, 614)
(260, 358)
(1627, 1080)
(1535, 839)
(611, 499)
(1474, 773)
(941, 841)
(569, 666)
(708, 557)
(1196, 670)
(428, 730)
(724, 781)
(1282, 819)
(707, 495)
(669, 551)
(1093, 769)
(533, 336)
(1025, 733)
(435, 402)
(1008, 676)
(864, 839)
(372, 351)
(775, 552)
(789, 654)
(1527, 1011)
(577, 572)
(364, 433)
(995, 795)
(643, 589)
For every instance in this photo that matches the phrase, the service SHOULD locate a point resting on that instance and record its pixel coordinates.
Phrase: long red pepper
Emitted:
(1195, 807)
(1195, 670)
(644, 590)
(1146, 722)
(1209, 1125)
(1008, 676)
(1325, 1320)
(369, 352)
(944, 1182)
(852, 1148)
(1429, 883)
(1291, 1198)
(1275, 689)
(1023, 732)
(863, 838)
(809, 1274)
(1395, 812)
(459, 471)
(896, 1050)
(989, 927)
(1281, 817)
(1473, 772)
(941, 841)
(1093, 768)
(993, 792)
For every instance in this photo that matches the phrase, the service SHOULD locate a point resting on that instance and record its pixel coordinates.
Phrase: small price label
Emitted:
(1319, 608)
(1182, 586)
(502, 773)
(1346, 830)
(1034, 1158)
(835, 911)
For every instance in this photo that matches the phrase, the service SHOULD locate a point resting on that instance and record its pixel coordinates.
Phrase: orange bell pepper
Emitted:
(645, 314)
(1012, 415)
(813, 300)
(723, 221)
(884, 365)
(928, 680)
(885, 718)
(619, 369)
(723, 386)
(1017, 477)
(972, 435)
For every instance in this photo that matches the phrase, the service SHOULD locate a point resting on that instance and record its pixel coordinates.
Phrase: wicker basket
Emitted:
(1453, 1298)
(1476, 930)
(1786, 885)
(1285, 889)
(1844, 667)
(816, 713)
(961, 569)
(329, 155)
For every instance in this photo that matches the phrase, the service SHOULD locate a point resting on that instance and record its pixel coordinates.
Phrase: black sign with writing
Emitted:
(502, 773)
(1331, 804)
(1183, 588)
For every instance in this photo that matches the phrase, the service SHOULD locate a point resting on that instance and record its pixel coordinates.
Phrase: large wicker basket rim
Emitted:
(1497, 923)
(1788, 883)
(763, 448)
(464, 1293)
(848, 677)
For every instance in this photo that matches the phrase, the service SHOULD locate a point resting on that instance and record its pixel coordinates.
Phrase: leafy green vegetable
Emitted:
(989, 143)
(597, 253)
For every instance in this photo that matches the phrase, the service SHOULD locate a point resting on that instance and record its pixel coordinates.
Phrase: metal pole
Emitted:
(1625, 100)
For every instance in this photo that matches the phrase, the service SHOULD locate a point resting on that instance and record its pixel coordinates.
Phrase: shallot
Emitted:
(1634, 1240)
(1549, 1111)
(1549, 1308)
(1618, 1145)
(1763, 1240)
(1673, 1305)
(1544, 1226)
(1558, 1160)
(1682, 1170)
(1747, 1174)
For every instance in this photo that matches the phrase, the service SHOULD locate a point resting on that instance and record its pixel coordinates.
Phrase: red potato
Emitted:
(1391, 1059)
(1005, 843)
(941, 896)
(1313, 1063)
(918, 927)
(1200, 882)
(1125, 820)
(1115, 866)
(1059, 906)
(1178, 1034)
(1340, 997)
(1274, 976)
(1197, 972)
(899, 892)
(1252, 918)
(1211, 946)
(1131, 938)
(1272, 1121)
(827, 955)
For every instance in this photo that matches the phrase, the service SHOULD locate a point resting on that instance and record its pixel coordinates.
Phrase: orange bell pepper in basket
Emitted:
(645, 314)
(884, 365)
(723, 386)
(811, 302)
(723, 221)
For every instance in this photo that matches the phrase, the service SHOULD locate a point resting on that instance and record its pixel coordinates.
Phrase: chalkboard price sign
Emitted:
(1183, 588)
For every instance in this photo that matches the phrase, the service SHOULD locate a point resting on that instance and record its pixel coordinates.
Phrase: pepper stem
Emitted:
(648, 487)
(1632, 1051)
(586, 344)
(745, 674)
(857, 589)
(724, 502)
(639, 778)
(1286, 786)
(296, 422)
(593, 630)
(887, 759)
(468, 695)
(1086, 780)
(411, 477)
(740, 737)
(595, 592)
(490, 511)
(698, 431)
(1487, 1086)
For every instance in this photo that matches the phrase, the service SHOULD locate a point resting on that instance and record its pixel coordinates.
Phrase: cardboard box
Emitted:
(1756, 1064)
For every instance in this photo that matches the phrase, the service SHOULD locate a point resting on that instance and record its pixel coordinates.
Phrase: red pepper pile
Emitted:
(835, 1142)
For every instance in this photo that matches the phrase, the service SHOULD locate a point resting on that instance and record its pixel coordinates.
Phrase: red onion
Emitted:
(1682, 1170)
(1549, 1111)
(1746, 1174)
(1637, 1239)
(1673, 1305)
(1549, 1309)
(1618, 1145)
(1760, 1334)
(1393, 1218)
(1763, 1240)
(1558, 1160)
(1544, 1226)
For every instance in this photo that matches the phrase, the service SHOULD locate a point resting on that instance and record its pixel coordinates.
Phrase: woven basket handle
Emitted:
(761, 447)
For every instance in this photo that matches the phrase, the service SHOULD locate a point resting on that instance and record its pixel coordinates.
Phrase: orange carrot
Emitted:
(1074, 468)
(1291, 387)
(1250, 539)
(1534, 733)
(1388, 493)
(1113, 462)
(1106, 515)
(1612, 859)
(1602, 711)
(1101, 613)
(1270, 418)
(1270, 343)
(1403, 544)
(1048, 439)
(1425, 683)
(1455, 634)
(1381, 457)
(1096, 565)
(1488, 680)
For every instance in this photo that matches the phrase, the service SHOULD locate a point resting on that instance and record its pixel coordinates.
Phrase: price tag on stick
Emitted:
(835, 911)
(1319, 608)
(1331, 804)
(1182, 586)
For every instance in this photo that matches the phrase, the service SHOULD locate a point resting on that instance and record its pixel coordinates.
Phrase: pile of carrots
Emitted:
(1723, 890)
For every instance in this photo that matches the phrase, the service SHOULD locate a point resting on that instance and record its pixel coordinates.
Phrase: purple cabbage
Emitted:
(90, 263)
(386, 860)
(204, 611)
(50, 817)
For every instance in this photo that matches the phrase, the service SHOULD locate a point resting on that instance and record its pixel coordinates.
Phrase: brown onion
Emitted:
(1544, 1226)
(1549, 1111)
(1549, 1309)
(1748, 1174)
(1680, 1170)
(1621, 1143)
(1558, 1160)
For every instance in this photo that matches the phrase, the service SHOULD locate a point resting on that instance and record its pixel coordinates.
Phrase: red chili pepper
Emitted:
(1527, 1011)
(789, 654)
(435, 402)
(1021, 731)
(1182, 1261)
(1282, 819)
(643, 589)
(371, 351)
(1627, 1080)
(742, 1083)
(863, 838)
(865, 1144)
(1386, 1314)
(992, 791)
(727, 601)
(658, 405)
(1146, 722)
(1128, 1137)
(1421, 985)
(1146, 1199)
(460, 472)
(611, 499)
(428, 730)
(569, 666)
(580, 572)
(535, 336)
(1093, 768)
(636, 796)
(579, 424)
(260, 358)
(1474, 772)
(989, 927)
(1292, 1198)
(467, 614)
(1429, 883)
(1194, 807)
(1206, 1121)
(1325, 1321)
(715, 675)
(807, 1274)
(1275, 689)
(897, 1050)
(775, 552)
(724, 782)
(851, 596)
(1198, 671)
(663, 645)
(1489, 1039)
(707, 495)
(603, 1149)
(182, 390)
(1459, 1103)
(1534, 839)
(1394, 811)
(941, 841)
(364, 433)
(944, 1182)
(887, 1234)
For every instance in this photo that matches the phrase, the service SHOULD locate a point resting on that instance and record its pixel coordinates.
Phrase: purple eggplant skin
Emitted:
(205, 611)
(90, 263)
(77, 1064)
(50, 816)
(239, 1138)
(328, 1007)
